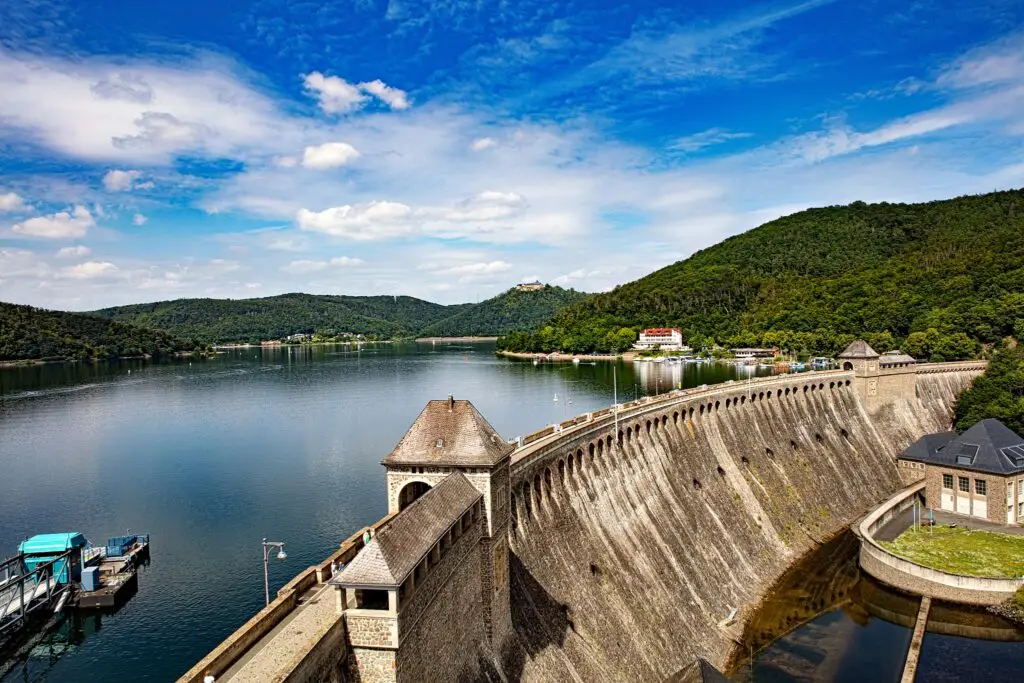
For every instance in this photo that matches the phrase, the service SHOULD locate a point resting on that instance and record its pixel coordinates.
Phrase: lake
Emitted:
(211, 456)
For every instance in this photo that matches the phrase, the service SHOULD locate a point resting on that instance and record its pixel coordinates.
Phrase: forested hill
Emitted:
(509, 311)
(28, 333)
(938, 279)
(255, 320)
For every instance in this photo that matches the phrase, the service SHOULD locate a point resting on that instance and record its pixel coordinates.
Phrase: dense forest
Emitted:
(999, 393)
(28, 333)
(221, 321)
(939, 279)
(509, 311)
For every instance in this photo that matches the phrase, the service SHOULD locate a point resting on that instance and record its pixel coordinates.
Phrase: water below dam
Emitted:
(826, 621)
(210, 456)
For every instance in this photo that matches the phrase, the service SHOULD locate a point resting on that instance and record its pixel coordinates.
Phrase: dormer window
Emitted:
(1015, 454)
(966, 454)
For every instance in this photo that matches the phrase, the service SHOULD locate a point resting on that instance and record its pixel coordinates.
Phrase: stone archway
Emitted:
(410, 492)
(847, 365)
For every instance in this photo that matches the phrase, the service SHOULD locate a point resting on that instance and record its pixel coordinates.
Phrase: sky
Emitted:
(448, 149)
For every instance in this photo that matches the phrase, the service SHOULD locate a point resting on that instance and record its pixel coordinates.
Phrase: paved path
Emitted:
(901, 522)
(267, 659)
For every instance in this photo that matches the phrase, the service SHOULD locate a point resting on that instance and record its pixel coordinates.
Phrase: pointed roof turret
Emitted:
(452, 433)
(859, 349)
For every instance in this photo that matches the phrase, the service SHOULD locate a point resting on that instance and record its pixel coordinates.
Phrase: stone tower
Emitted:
(452, 436)
(880, 379)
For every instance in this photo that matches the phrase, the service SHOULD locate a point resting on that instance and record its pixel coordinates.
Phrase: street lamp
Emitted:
(281, 555)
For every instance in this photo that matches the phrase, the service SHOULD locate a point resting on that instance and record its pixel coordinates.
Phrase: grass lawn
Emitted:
(961, 551)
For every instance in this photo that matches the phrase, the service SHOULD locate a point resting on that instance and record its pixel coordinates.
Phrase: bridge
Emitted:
(608, 547)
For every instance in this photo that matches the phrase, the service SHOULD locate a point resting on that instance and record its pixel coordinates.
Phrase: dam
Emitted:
(618, 545)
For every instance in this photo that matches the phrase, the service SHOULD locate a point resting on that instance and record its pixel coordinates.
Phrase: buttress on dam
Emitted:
(612, 547)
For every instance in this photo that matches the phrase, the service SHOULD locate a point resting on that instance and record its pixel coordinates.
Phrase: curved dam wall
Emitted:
(632, 542)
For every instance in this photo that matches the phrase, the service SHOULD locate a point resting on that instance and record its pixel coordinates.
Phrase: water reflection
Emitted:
(825, 621)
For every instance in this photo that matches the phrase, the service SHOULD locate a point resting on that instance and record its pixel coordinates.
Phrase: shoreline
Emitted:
(558, 357)
(455, 339)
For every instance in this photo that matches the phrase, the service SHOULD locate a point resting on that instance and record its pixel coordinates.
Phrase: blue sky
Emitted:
(449, 149)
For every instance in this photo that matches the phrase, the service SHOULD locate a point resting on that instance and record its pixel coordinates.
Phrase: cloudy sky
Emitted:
(447, 149)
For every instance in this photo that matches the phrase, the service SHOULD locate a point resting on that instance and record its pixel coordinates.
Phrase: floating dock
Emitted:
(115, 576)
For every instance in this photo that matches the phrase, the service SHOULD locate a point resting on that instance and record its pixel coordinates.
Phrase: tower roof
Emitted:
(859, 349)
(989, 446)
(398, 547)
(450, 432)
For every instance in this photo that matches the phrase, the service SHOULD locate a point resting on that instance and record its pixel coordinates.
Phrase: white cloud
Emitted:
(336, 95)
(304, 267)
(347, 261)
(707, 138)
(480, 144)
(78, 251)
(11, 202)
(121, 181)
(61, 225)
(20, 263)
(373, 221)
(479, 268)
(329, 155)
(90, 270)
(393, 97)
(995, 63)
(139, 219)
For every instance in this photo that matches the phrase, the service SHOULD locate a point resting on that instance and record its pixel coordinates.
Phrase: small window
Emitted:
(980, 487)
(440, 443)
(965, 484)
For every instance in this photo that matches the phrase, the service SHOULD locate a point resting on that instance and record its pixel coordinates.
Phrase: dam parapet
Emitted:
(614, 545)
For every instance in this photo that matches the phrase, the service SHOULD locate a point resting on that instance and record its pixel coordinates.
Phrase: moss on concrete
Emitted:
(962, 551)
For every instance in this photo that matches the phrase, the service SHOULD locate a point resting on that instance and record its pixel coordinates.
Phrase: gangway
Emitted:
(24, 591)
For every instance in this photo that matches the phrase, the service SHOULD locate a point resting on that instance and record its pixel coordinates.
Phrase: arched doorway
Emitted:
(410, 492)
(847, 365)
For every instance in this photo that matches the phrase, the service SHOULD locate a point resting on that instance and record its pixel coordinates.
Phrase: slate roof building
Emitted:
(979, 473)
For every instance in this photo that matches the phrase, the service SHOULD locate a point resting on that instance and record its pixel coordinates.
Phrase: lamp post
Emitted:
(281, 555)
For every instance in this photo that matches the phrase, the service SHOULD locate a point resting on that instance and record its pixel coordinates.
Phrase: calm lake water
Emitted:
(211, 456)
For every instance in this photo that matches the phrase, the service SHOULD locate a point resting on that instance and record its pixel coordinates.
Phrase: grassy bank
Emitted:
(962, 551)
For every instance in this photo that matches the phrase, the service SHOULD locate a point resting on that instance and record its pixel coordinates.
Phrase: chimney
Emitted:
(451, 403)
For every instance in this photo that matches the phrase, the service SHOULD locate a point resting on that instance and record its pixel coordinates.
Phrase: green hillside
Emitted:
(937, 279)
(28, 333)
(253, 320)
(509, 311)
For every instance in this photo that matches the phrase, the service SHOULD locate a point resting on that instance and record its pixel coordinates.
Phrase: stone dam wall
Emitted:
(632, 543)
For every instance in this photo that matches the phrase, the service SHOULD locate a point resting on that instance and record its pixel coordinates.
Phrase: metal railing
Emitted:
(23, 592)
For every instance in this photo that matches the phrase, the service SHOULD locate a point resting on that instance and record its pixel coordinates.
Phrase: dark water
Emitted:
(825, 621)
(211, 456)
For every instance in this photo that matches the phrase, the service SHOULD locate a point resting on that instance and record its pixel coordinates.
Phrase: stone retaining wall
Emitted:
(915, 578)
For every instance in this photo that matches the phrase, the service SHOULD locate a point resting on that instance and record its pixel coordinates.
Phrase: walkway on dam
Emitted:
(269, 658)
(903, 521)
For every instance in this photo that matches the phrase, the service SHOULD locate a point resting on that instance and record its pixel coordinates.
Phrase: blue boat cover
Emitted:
(52, 544)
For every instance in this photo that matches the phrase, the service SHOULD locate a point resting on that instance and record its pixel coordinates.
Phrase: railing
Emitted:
(24, 593)
(539, 444)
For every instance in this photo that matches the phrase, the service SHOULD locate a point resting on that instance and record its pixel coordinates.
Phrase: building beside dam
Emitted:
(614, 546)
(967, 474)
